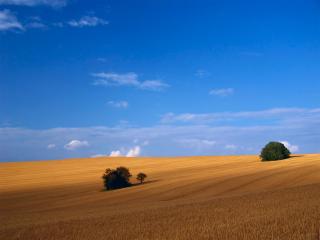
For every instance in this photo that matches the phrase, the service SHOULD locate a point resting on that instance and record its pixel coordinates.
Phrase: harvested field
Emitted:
(230, 197)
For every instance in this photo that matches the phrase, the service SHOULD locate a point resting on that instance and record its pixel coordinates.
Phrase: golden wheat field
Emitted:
(230, 197)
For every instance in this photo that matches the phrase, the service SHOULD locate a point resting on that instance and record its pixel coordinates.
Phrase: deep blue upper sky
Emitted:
(80, 78)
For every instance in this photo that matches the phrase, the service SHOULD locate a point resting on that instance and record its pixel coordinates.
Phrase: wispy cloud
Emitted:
(231, 147)
(293, 125)
(116, 79)
(36, 23)
(76, 144)
(154, 85)
(58, 24)
(85, 21)
(88, 21)
(32, 3)
(118, 104)
(51, 146)
(222, 92)
(8, 21)
(101, 59)
(251, 54)
(127, 79)
(201, 73)
(288, 114)
(197, 143)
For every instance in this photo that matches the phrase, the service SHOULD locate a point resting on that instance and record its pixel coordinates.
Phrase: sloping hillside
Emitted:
(234, 197)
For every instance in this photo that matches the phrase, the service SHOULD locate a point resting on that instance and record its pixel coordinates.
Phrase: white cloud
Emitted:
(118, 104)
(8, 21)
(76, 144)
(115, 79)
(292, 148)
(196, 143)
(296, 125)
(142, 143)
(116, 153)
(223, 92)
(51, 146)
(127, 79)
(134, 152)
(153, 85)
(288, 114)
(231, 147)
(31, 3)
(88, 21)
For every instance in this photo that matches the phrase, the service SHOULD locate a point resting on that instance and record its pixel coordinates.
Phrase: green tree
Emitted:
(116, 178)
(274, 151)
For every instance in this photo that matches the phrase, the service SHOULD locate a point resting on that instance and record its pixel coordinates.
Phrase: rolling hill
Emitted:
(227, 197)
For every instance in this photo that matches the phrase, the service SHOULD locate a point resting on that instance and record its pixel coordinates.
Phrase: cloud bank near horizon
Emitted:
(297, 128)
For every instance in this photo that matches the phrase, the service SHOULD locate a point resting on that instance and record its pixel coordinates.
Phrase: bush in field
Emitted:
(274, 151)
(141, 176)
(116, 178)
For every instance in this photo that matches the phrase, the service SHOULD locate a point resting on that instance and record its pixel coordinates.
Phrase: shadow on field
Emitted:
(296, 156)
(146, 182)
(132, 185)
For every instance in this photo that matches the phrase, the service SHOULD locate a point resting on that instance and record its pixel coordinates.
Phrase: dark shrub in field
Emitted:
(141, 176)
(118, 178)
(274, 151)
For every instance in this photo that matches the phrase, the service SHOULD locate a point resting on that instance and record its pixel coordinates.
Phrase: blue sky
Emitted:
(157, 78)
